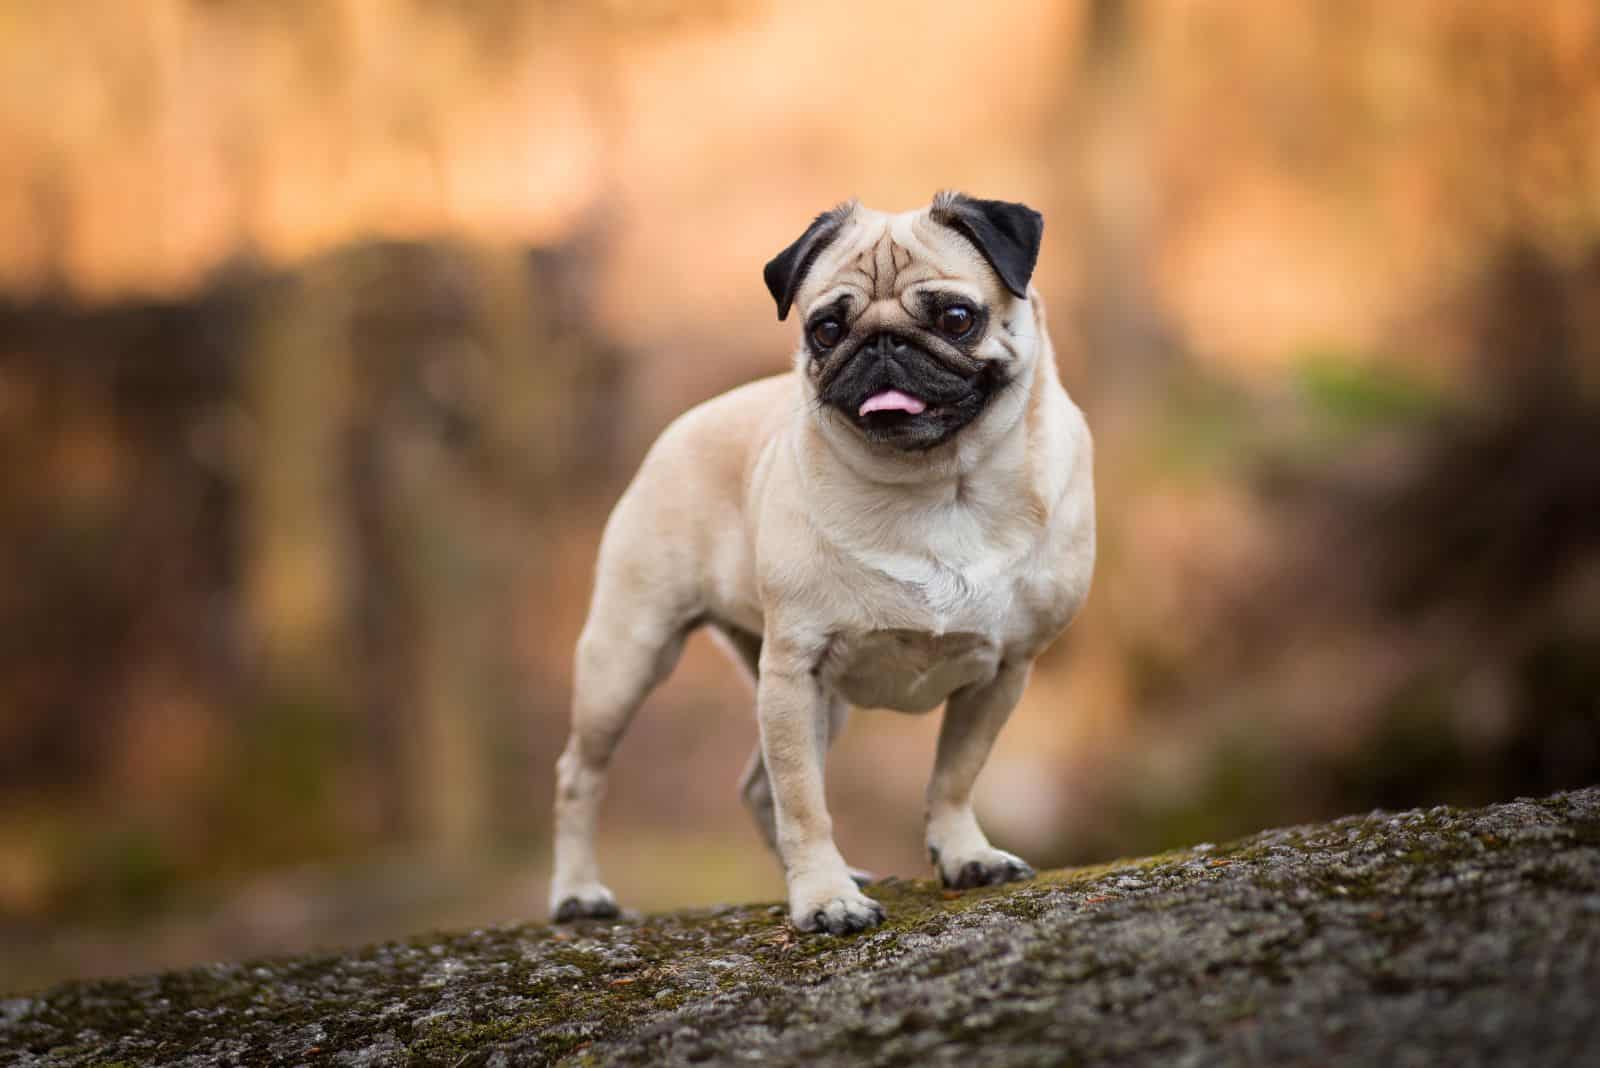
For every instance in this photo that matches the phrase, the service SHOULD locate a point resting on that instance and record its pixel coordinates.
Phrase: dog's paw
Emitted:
(988, 868)
(588, 902)
(842, 911)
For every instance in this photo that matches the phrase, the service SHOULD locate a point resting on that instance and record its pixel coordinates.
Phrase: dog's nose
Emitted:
(887, 344)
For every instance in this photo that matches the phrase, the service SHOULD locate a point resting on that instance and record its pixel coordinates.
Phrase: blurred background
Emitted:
(330, 330)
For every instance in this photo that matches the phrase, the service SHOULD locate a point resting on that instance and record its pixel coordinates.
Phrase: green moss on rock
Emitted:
(1461, 937)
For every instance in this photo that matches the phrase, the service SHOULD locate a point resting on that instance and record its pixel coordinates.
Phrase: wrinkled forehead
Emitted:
(884, 257)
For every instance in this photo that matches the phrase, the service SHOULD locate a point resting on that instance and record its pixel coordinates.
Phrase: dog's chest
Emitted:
(908, 670)
(934, 627)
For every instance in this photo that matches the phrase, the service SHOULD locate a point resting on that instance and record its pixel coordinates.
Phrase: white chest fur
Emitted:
(940, 619)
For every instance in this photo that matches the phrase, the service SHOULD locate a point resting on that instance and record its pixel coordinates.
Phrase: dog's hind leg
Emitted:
(624, 652)
(745, 648)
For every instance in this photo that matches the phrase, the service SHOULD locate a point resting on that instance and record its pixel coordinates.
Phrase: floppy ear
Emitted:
(1006, 234)
(787, 269)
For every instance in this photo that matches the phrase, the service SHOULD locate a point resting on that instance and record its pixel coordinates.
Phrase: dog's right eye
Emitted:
(827, 333)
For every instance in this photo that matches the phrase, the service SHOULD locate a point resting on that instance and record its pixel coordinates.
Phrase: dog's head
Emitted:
(912, 323)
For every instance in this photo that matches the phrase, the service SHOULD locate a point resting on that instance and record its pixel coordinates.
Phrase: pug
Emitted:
(904, 520)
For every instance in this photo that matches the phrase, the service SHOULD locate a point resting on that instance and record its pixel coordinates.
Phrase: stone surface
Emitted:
(1429, 937)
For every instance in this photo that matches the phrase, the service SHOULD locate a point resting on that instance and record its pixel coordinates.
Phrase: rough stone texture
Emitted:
(1431, 937)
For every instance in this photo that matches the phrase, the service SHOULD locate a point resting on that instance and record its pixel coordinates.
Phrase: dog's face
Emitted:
(912, 323)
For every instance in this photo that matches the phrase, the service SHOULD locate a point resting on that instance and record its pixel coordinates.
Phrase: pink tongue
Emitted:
(892, 400)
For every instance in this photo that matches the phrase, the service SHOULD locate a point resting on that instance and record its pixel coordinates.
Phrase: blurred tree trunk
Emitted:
(1106, 148)
(1114, 344)
(467, 412)
(296, 567)
(495, 408)
(456, 612)
(297, 386)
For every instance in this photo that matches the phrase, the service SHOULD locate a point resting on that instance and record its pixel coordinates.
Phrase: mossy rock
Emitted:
(1439, 936)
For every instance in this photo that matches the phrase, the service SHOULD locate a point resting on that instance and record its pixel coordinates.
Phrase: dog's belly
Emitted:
(909, 670)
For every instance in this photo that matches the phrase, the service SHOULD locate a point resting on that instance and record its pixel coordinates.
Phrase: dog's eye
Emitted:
(955, 321)
(827, 332)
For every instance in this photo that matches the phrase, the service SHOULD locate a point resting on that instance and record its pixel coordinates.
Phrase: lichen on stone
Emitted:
(1437, 936)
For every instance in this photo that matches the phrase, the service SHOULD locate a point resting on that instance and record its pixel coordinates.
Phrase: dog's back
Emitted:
(688, 503)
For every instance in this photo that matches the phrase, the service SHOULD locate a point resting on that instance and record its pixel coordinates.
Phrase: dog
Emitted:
(904, 520)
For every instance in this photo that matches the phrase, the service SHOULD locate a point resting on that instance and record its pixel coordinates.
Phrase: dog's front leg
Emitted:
(972, 720)
(792, 709)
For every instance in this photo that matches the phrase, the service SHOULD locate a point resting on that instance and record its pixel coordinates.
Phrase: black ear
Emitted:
(1006, 234)
(787, 269)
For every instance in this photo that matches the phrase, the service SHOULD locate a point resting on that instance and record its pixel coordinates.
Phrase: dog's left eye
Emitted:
(955, 321)
(827, 332)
